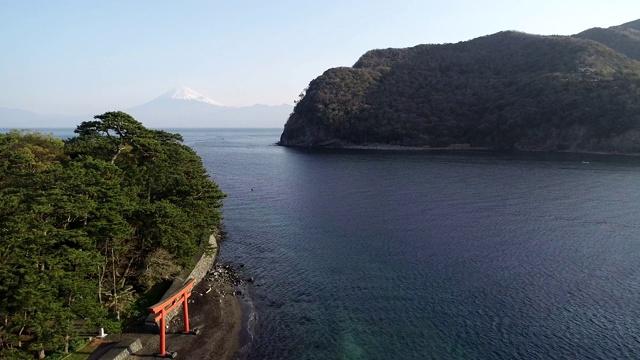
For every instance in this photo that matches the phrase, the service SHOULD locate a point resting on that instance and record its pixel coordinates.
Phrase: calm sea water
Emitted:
(408, 255)
(384, 255)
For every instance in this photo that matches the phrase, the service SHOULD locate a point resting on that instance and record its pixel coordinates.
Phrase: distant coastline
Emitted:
(457, 148)
(378, 146)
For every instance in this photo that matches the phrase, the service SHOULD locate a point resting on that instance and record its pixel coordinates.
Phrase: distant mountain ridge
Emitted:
(23, 119)
(509, 90)
(182, 105)
(178, 107)
(623, 38)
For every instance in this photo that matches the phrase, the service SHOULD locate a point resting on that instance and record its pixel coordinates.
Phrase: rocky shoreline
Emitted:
(454, 148)
(404, 148)
(215, 313)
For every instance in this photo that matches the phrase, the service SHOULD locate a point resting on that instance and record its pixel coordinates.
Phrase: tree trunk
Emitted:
(102, 270)
(115, 156)
(115, 290)
(20, 334)
(126, 272)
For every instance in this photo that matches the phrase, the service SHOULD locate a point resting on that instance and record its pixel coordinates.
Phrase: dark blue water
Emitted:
(385, 255)
(401, 255)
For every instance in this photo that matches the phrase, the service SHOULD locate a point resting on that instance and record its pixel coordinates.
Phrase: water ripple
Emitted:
(370, 255)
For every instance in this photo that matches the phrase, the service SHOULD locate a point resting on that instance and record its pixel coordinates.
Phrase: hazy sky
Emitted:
(77, 57)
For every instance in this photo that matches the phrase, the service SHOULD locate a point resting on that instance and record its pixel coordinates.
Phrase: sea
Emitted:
(365, 254)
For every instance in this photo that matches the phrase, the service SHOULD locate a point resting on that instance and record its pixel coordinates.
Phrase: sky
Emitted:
(76, 57)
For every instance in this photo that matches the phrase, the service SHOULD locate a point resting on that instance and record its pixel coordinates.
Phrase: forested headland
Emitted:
(509, 90)
(89, 225)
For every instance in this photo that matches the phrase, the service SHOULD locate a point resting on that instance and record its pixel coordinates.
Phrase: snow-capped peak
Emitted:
(184, 93)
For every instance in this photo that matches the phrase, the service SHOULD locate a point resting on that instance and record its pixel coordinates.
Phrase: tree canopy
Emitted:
(90, 224)
(623, 38)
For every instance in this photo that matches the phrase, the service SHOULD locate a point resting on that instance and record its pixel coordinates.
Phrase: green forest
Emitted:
(89, 225)
(509, 90)
(623, 38)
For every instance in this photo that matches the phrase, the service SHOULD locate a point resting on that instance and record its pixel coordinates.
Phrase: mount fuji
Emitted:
(184, 107)
(180, 107)
(184, 93)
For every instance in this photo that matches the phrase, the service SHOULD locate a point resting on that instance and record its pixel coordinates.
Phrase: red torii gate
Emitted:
(162, 308)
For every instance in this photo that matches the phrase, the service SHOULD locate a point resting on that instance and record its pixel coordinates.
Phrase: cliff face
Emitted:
(507, 90)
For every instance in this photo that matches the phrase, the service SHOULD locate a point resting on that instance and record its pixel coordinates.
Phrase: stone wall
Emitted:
(204, 262)
(123, 349)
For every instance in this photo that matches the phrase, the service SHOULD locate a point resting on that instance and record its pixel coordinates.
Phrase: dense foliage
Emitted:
(507, 90)
(90, 224)
(623, 38)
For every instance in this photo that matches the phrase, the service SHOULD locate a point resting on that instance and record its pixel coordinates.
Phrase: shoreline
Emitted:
(455, 148)
(249, 319)
(388, 147)
(215, 312)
